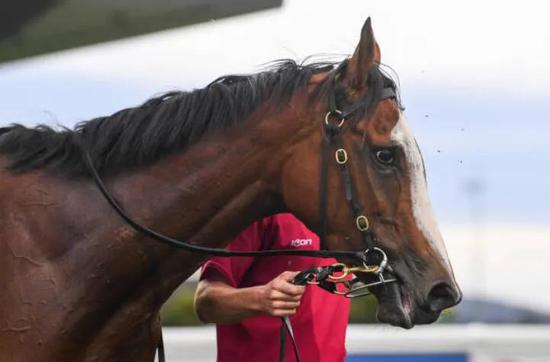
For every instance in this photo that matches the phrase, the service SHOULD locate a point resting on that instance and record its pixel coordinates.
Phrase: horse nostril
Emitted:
(443, 296)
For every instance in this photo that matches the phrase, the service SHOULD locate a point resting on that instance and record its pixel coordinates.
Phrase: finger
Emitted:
(289, 288)
(283, 312)
(283, 304)
(278, 295)
(288, 275)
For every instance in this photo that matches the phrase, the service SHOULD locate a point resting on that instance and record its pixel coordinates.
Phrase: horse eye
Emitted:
(385, 157)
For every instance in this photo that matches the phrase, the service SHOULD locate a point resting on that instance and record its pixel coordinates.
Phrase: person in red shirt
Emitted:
(246, 297)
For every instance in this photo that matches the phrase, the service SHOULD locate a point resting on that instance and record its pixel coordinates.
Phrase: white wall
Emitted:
(482, 343)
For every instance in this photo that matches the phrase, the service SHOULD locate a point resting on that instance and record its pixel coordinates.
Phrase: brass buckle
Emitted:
(335, 113)
(354, 288)
(346, 270)
(362, 223)
(341, 156)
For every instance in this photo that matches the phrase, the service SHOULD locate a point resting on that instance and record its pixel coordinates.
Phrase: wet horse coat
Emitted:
(80, 284)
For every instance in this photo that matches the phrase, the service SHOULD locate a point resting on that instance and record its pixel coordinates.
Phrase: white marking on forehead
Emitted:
(421, 205)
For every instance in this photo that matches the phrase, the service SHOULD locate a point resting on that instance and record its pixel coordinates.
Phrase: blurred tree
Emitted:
(363, 310)
(178, 310)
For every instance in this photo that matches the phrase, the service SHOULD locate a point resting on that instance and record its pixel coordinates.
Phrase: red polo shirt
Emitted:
(320, 322)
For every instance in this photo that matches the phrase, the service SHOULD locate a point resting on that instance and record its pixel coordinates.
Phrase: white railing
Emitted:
(480, 343)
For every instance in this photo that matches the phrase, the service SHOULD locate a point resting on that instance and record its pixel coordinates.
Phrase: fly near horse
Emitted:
(80, 283)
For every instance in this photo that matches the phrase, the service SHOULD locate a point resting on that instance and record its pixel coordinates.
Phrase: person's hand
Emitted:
(281, 298)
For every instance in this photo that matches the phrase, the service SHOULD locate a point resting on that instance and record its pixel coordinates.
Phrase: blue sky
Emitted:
(496, 141)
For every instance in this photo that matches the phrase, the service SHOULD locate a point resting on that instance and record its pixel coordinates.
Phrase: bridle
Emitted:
(372, 260)
(375, 260)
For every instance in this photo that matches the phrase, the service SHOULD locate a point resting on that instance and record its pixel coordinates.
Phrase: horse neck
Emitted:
(209, 193)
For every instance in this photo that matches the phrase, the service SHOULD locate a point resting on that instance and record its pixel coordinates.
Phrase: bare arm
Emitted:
(218, 302)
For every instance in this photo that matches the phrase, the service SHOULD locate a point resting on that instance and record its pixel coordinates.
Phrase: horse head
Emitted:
(387, 179)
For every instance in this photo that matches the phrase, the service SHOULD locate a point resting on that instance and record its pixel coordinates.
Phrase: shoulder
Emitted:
(284, 223)
(289, 232)
(285, 220)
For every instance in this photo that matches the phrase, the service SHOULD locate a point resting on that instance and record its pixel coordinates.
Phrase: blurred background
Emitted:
(475, 79)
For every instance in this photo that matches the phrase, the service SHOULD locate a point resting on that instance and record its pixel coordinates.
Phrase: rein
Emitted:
(372, 260)
(201, 249)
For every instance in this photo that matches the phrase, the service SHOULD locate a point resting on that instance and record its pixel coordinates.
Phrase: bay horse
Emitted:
(79, 284)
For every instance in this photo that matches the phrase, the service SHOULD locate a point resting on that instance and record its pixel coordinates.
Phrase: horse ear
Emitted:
(366, 54)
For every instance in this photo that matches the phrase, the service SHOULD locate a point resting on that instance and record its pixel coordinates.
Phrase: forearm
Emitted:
(217, 302)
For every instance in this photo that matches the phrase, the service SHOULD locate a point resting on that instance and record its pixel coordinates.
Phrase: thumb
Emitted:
(288, 275)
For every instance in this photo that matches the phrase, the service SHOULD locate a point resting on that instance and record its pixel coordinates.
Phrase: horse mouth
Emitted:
(397, 307)
(394, 305)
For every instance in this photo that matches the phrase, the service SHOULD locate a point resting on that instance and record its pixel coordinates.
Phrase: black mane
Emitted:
(161, 126)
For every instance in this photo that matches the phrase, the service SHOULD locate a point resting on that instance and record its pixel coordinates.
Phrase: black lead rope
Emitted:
(286, 328)
(160, 348)
(355, 255)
